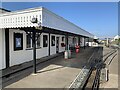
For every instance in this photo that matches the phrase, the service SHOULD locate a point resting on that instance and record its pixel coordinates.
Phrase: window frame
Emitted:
(38, 40)
(31, 44)
(20, 36)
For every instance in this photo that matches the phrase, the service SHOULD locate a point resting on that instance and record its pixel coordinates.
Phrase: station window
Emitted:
(74, 40)
(45, 40)
(52, 40)
(63, 39)
(29, 41)
(38, 41)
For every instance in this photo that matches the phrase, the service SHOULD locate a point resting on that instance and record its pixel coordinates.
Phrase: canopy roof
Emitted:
(46, 18)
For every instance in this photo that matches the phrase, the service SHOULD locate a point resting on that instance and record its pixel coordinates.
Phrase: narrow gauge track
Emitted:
(92, 80)
(79, 81)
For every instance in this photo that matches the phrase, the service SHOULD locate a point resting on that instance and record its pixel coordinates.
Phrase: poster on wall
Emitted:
(18, 41)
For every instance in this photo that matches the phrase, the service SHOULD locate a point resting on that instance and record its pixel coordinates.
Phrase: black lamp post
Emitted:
(34, 20)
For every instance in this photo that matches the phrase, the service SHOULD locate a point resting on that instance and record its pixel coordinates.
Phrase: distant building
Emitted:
(116, 37)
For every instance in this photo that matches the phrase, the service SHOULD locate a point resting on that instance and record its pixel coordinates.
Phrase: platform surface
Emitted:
(56, 73)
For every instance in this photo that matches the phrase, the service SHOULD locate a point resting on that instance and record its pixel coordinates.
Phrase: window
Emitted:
(18, 41)
(74, 40)
(45, 40)
(63, 39)
(38, 41)
(29, 40)
(52, 40)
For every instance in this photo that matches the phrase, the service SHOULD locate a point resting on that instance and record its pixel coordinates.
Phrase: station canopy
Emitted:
(45, 18)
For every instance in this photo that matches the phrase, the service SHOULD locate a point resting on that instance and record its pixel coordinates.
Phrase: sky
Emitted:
(98, 18)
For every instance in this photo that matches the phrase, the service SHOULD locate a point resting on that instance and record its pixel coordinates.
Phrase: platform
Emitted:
(56, 73)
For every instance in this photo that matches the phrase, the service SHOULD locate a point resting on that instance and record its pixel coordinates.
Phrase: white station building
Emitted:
(38, 31)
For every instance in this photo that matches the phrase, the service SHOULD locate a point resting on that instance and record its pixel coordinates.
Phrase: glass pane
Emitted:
(45, 42)
(38, 41)
(28, 38)
(18, 42)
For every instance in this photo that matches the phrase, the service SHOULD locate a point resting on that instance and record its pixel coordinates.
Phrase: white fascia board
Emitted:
(51, 20)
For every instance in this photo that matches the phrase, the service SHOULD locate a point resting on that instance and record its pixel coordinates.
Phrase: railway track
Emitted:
(81, 79)
(89, 77)
(93, 79)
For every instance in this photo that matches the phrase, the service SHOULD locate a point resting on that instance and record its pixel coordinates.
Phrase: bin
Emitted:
(66, 56)
(69, 53)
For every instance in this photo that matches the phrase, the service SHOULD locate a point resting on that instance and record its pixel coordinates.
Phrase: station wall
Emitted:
(25, 55)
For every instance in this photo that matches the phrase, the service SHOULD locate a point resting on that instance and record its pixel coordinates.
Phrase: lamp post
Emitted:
(34, 20)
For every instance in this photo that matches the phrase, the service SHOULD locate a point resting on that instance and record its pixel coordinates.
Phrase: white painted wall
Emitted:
(2, 48)
(21, 56)
(18, 57)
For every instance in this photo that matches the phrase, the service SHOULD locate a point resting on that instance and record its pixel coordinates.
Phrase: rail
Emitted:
(97, 68)
(95, 85)
(85, 72)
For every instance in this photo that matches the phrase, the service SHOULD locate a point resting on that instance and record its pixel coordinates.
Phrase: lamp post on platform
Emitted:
(34, 20)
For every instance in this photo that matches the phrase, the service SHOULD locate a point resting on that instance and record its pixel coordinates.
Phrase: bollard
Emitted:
(104, 75)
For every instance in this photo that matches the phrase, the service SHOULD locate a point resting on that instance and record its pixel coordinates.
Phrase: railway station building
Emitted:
(33, 33)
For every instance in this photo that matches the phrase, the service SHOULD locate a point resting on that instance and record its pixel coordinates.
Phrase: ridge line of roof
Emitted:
(5, 9)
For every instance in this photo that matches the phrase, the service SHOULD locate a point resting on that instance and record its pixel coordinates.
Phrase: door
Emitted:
(57, 44)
